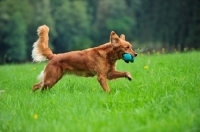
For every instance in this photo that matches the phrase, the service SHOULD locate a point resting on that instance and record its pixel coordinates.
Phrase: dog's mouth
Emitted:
(128, 57)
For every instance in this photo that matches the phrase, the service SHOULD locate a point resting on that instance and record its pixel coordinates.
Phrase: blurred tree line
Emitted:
(79, 24)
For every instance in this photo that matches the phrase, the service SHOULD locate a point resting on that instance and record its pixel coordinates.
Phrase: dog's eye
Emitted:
(127, 47)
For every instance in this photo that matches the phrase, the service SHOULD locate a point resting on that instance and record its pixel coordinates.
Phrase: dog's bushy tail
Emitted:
(41, 51)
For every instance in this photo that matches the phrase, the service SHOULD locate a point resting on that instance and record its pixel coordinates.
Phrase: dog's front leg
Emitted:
(116, 74)
(103, 82)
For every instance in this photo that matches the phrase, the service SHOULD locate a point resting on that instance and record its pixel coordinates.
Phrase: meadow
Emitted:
(164, 96)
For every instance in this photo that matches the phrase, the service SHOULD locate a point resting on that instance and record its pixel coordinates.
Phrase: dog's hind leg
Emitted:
(51, 76)
(37, 86)
(49, 83)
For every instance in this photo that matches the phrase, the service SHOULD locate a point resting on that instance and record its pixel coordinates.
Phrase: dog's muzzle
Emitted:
(135, 54)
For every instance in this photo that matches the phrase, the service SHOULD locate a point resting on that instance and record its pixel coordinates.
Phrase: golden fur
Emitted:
(98, 61)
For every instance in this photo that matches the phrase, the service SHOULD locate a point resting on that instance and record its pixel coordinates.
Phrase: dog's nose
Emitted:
(135, 54)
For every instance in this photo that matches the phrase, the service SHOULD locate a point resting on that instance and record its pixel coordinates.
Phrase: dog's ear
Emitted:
(114, 38)
(122, 36)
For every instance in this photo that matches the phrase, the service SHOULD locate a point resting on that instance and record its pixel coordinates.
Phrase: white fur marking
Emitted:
(36, 55)
(41, 76)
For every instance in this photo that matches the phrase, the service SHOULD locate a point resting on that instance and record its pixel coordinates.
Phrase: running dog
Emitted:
(100, 61)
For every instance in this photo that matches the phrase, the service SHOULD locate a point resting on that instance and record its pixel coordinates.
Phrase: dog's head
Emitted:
(121, 46)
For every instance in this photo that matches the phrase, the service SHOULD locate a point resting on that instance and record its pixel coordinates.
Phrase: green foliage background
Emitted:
(79, 24)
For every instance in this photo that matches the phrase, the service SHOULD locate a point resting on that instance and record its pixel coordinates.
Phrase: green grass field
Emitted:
(164, 96)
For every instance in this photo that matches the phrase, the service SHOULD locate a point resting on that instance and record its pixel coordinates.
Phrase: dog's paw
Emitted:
(128, 76)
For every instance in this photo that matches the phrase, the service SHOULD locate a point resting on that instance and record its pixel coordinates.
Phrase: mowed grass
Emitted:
(164, 96)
